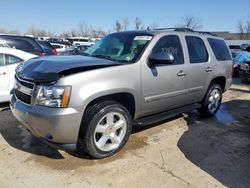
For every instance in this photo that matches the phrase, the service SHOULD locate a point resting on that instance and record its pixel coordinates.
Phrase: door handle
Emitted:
(2, 73)
(208, 69)
(181, 73)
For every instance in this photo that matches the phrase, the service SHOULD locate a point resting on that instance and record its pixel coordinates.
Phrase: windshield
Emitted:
(123, 47)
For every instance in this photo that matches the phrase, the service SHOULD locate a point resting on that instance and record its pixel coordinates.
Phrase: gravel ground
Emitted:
(185, 151)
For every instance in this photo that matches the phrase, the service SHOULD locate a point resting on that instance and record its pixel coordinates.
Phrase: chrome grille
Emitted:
(24, 90)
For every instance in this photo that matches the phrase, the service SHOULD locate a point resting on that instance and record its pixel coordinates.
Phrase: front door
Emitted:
(165, 87)
(4, 79)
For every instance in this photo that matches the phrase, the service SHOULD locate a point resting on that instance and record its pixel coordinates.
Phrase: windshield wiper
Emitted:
(103, 57)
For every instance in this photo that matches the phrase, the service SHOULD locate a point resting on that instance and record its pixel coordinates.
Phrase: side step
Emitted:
(148, 120)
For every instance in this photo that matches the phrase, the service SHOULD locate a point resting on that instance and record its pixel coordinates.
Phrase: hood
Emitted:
(50, 68)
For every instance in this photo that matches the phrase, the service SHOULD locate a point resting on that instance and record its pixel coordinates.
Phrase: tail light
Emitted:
(41, 53)
(54, 52)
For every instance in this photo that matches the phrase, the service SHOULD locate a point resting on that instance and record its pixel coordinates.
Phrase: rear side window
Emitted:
(19, 44)
(220, 49)
(170, 44)
(10, 59)
(196, 49)
(22, 43)
(1, 60)
(45, 44)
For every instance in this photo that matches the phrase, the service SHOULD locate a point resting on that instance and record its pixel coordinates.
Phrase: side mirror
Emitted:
(161, 58)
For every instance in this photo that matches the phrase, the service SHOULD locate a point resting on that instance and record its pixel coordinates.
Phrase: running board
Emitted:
(148, 120)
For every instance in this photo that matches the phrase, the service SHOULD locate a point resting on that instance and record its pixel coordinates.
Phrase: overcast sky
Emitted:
(58, 16)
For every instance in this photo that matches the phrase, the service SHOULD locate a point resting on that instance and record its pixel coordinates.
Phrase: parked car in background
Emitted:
(24, 43)
(75, 50)
(47, 48)
(241, 58)
(128, 78)
(59, 41)
(59, 47)
(234, 49)
(81, 41)
(9, 59)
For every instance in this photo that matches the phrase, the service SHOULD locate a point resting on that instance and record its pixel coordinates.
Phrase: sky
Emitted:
(58, 16)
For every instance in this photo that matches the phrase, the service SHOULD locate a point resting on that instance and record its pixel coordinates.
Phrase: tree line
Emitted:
(83, 29)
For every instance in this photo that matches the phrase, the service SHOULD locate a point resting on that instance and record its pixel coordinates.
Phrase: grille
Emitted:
(23, 97)
(24, 90)
(26, 84)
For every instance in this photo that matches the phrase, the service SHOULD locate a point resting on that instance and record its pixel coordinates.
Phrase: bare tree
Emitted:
(138, 24)
(83, 29)
(153, 26)
(247, 28)
(191, 22)
(125, 24)
(118, 26)
(241, 29)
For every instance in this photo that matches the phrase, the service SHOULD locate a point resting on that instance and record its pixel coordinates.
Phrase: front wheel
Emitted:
(212, 101)
(105, 129)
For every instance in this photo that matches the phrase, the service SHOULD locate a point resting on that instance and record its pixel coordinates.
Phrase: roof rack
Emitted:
(183, 29)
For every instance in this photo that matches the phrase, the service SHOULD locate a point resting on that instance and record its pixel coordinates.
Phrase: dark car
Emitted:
(75, 50)
(47, 47)
(24, 43)
(59, 41)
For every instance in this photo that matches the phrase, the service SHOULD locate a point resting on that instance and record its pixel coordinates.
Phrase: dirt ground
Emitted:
(185, 151)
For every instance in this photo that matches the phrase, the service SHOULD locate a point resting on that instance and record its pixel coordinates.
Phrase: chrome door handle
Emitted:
(2, 73)
(208, 69)
(181, 73)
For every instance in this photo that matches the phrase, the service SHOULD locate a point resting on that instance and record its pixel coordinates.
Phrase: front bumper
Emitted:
(58, 125)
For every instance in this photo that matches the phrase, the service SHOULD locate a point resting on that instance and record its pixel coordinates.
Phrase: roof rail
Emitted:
(183, 29)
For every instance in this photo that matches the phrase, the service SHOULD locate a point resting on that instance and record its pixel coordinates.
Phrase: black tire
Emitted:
(91, 118)
(204, 109)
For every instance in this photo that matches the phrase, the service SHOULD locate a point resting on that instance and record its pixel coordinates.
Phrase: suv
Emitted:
(128, 78)
(24, 43)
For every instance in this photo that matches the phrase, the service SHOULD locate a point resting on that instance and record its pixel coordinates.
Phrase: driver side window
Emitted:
(170, 44)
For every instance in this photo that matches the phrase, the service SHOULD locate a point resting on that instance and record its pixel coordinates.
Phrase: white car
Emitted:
(59, 47)
(9, 59)
(81, 41)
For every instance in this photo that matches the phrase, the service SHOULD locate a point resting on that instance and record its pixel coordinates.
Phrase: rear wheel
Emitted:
(105, 129)
(212, 101)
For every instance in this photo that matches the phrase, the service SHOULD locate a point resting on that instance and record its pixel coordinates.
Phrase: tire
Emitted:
(212, 101)
(105, 129)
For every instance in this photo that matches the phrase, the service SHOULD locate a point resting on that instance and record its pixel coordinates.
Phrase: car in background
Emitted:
(234, 49)
(81, 41)
(9, 59)
(59, 47)
(244, 71)
(59, 41)
(24, 43)
(47, 48)
(244, 46)
(75, 50)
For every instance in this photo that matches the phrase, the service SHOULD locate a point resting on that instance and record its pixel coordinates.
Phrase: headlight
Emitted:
(53, 96)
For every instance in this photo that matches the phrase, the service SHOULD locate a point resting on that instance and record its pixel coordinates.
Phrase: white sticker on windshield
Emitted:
(143, 38)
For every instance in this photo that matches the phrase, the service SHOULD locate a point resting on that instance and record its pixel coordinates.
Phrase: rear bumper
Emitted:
(52, 124)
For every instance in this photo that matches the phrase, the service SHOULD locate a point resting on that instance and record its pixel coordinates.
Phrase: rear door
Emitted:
(200, 68)
(165, 87)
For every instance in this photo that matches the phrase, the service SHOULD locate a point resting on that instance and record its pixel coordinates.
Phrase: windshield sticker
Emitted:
(143, 38)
